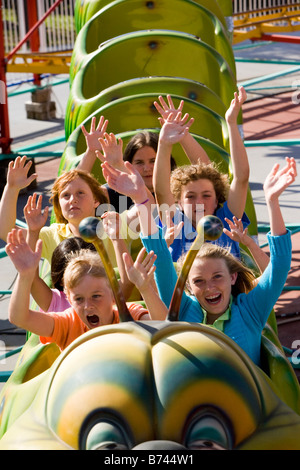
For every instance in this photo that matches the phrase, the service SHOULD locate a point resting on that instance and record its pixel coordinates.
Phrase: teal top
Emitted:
(249, 312)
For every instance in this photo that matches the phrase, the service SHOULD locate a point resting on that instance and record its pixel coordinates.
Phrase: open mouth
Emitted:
(93, 320)
(213, 299)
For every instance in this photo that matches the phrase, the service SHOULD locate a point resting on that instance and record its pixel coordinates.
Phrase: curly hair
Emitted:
(65, 179)
(182, 175)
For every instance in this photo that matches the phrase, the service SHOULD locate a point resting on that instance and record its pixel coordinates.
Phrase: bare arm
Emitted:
(172, 131)
(141, 274)
(131, 184)
(36, 219)
(26, 262)
(17, 179)
(111, 224)
(239, 159)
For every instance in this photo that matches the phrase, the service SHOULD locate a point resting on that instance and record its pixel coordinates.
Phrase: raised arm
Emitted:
(36, 218)
(131, 184)
(172, 131)
(239, 159)
(262, 298)
(276, 182)
(111, 224)
(193, 150)
(92, 143)
(17, 179)
(141, 273)
(26, 262)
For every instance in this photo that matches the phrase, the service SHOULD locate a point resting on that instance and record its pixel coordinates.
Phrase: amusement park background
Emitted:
(268, 67)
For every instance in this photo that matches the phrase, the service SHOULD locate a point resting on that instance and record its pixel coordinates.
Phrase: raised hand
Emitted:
(235, 106)
(17, 175)
(237, 231)
(275, 183)
(165, 110)
(172, 230)
(25, 260)
(175, 128)
(130, 184)
(112, 151)
(111, 224)
(140, 272)
(35, 217)
(96, 132)
(278, 180)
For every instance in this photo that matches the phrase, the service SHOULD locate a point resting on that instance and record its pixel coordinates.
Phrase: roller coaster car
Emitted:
(150, 385)
(139, 385)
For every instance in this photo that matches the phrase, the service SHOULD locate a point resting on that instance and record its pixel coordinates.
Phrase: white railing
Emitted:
(250, 5)
(57, 33)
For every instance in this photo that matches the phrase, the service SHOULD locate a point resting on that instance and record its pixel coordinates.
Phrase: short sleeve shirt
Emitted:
(68, 326)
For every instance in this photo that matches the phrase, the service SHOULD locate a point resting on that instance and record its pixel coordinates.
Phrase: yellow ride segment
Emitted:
(258, 22)
(40, 63)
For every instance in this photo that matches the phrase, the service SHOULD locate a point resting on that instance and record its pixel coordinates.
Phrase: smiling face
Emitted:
(77, 201)
(211, 284)
(92, 300)
(143, 160)
(198, 199)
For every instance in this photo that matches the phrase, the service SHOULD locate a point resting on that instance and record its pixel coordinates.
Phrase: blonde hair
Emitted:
(82, 263)
(65, 179)
(182, 175)
(245, 276)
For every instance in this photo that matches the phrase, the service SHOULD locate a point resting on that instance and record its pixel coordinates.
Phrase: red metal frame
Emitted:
(278, 38)
(5, 140)
(34, 39)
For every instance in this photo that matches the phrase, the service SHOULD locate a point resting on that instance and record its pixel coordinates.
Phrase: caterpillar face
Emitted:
(137, 385)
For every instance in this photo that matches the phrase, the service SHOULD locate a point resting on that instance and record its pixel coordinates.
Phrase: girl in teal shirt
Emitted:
(222, 288)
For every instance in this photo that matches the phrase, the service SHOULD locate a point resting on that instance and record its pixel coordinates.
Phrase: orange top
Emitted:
(68, 326)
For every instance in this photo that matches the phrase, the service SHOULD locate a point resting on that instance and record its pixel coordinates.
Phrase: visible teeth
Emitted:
(213, 298)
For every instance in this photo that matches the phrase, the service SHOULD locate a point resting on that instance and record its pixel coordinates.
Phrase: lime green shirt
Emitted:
(219, 322)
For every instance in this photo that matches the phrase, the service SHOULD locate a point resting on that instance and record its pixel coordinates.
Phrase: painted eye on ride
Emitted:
(103, 430)
(197, 379)
(209, 429)
(98, 395)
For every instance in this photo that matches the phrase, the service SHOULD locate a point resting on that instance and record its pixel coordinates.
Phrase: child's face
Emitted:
(92, 299)
(198, 199)
(211, 284)
(77, 201)
(143, 161)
